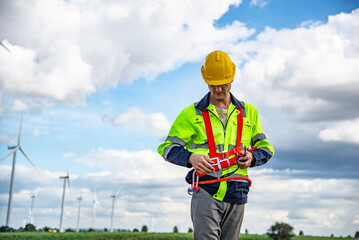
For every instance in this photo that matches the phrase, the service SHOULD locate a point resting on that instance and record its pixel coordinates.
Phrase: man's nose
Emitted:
(219, 88)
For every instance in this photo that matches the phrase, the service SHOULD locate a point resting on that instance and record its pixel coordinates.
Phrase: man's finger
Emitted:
(243, 163)
(205, 167)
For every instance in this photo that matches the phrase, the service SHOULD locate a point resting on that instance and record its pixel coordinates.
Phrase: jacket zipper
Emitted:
(224, 127)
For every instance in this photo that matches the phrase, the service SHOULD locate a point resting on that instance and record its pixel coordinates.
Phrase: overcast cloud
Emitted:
(310, 204)
(108, 43)
(134, 118)
(309, 72)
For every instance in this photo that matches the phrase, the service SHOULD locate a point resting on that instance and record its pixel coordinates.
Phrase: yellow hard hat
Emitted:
(218, 69)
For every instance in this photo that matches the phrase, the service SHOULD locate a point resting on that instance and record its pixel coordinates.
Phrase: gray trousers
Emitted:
(213, 219)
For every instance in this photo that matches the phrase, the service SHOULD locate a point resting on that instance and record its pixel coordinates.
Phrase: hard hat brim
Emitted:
(218, 82)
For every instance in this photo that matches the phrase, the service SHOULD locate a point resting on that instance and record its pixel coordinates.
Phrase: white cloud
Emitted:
(61, 76)
(152, 190)
(7, 139)
(311, 205)
(134, 118)
(35, 132)
(259, 3)
(68, 50)
(139, 165)
(26, 104)
(309, 72)
(69, 155)
(344, 131)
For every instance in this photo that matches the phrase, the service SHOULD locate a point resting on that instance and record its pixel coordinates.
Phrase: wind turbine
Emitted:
(14, 150)
(113, 207)
(66, 179)
(31, 219)
(78, 213)
(95, 202)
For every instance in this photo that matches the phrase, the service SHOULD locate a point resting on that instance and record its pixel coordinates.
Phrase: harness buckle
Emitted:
(225, 158)
(224, 155)
(216, 163)
(219, 161)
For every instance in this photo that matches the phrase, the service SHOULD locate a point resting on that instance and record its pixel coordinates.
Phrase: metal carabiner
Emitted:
(194, 185)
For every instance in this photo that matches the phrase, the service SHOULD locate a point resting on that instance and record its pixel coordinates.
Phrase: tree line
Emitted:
(278, 231)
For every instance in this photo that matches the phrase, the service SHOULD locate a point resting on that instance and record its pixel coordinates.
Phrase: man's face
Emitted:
(220, 92)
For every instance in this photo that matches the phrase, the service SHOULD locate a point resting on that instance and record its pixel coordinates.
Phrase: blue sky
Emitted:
(100, 84)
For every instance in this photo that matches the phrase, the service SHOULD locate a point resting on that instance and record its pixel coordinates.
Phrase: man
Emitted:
(213, 136)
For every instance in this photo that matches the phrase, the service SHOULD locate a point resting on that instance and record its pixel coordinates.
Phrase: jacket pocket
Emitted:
(246, 132)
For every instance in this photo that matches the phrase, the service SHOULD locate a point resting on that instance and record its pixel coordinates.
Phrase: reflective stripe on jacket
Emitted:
(188, 135)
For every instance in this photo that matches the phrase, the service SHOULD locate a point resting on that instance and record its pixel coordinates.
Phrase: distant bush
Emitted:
(280, 231)
(144, 228)
(29, 228)
(6, 229)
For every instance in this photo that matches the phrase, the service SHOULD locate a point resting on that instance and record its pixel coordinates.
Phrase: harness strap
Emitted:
(210, 138)
(221, 160)
(211, 144)
(195, 182)
(226, 179)
(239, 128)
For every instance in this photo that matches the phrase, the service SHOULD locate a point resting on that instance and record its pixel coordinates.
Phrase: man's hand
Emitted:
(201, 163)
(245, 161)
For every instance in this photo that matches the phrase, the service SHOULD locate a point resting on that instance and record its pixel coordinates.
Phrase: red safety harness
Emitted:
(220, 160)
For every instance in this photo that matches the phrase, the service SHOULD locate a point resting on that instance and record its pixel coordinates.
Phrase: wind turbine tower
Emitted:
(66, 179)
(78, 213)
(31, 219)
(113, 207)
(95, 203)
(14, 150)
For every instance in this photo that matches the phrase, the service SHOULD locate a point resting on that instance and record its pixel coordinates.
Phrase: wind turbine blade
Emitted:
(10, 153)
(96, 202)
(68, 180)
(118, 191)
(20, 130)
(29, 159)
(5, 47)
(68, 177)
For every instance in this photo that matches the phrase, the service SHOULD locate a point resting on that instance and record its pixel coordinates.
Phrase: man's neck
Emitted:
(220, 103)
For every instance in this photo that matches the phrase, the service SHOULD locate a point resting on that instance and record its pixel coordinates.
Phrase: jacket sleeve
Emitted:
(180, 135)
(264, 150)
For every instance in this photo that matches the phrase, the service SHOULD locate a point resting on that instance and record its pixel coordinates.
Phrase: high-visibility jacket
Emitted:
(188, 135)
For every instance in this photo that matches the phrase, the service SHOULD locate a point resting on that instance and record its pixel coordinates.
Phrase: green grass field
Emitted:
(131, 236)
